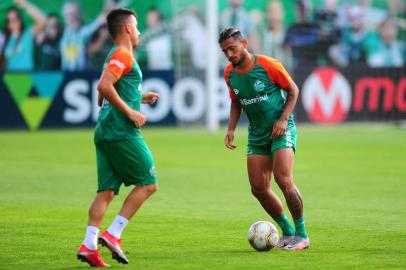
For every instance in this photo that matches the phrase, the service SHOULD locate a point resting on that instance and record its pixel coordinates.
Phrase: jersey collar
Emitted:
(248, 68)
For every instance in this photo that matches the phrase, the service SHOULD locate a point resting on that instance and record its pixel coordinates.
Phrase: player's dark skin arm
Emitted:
(235, 113)
(279, 128)
(107, 90)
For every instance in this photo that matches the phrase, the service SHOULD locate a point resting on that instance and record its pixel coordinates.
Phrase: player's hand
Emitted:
(279, 128)
(138, 118)
(228, 140)
(150, 97)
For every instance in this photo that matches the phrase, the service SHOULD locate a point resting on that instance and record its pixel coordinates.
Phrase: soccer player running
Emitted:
(122, 155)
(261, 87)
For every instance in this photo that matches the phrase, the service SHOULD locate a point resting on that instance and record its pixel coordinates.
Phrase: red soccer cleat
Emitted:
(114, 245)
(92, 257)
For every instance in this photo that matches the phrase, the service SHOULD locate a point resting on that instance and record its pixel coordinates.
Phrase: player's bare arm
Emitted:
(235, 113)
(107, 90)
(150, 97)
(147, 98)
(279, 128)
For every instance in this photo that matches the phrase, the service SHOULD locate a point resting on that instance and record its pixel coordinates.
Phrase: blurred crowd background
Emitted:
(72, 35)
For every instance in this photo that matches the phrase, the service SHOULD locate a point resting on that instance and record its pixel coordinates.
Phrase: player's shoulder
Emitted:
(264, 60)
(121, 53)
(121, 57)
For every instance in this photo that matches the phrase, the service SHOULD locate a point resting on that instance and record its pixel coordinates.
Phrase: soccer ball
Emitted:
(263, 235)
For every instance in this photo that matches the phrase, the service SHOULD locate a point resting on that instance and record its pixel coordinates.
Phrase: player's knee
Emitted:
(282, 173)
(110, 195)
(285, 184)
(106, 196)
(259, 192)
(151, 189)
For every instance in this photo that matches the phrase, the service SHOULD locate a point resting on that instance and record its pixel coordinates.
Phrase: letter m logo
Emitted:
(326, 96)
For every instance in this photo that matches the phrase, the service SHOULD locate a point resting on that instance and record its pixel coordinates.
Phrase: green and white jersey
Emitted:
(112, 124)
(260, 91)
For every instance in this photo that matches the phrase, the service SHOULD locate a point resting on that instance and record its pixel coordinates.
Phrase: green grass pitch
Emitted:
(352, 178)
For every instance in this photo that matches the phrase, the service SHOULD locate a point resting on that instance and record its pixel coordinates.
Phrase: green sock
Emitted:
(285, 225)
(300, 227)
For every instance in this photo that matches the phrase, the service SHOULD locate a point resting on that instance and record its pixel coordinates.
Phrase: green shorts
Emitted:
(288, 140)
(125, 161)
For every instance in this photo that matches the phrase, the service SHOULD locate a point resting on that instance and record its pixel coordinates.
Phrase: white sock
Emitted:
(91, 237)
(117, 227)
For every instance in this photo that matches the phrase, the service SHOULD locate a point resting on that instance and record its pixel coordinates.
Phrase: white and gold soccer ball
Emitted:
(263, 235)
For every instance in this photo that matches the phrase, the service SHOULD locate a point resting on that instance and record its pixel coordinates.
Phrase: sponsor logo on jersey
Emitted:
(326, 96)
(236, 91)
(259, 86)
(117, 63)
(249, 101)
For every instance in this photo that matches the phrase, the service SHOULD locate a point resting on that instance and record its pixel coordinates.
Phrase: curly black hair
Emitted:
(230, 32)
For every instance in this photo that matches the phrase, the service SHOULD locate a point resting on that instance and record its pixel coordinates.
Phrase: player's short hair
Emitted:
(117, 18)
(230, 32)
